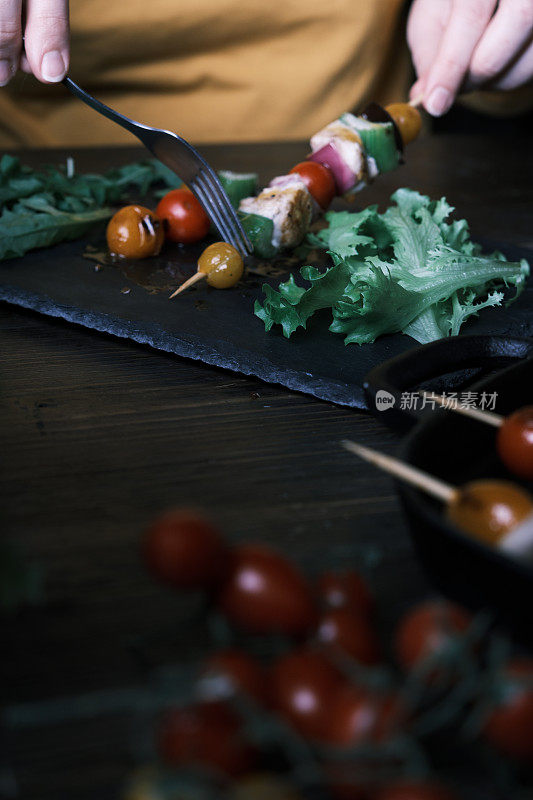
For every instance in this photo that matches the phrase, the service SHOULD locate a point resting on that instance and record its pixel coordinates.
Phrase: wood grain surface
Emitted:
(98, 435)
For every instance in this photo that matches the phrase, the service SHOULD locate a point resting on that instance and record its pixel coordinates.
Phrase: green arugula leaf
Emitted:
(24, 229)
(39, 208)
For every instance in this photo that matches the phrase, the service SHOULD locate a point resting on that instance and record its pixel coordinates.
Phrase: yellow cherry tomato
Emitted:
(223, 265)
(490, 509)
(408, 120)
(135, 232)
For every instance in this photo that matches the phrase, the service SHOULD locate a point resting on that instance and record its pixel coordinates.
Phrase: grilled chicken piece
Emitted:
(289, 207)
(293, 179)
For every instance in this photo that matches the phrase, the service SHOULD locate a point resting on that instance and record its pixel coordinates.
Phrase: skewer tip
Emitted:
(198, 276)
(352, 447)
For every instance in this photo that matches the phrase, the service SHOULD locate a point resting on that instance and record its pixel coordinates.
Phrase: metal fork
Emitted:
(187, 163)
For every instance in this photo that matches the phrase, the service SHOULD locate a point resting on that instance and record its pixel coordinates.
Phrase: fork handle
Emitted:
(133, 127)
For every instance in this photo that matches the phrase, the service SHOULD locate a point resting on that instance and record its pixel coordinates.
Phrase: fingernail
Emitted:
(439, 101)
(53, 67)
(6, 72)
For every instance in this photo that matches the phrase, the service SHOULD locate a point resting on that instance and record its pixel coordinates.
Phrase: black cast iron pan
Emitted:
(458, 449)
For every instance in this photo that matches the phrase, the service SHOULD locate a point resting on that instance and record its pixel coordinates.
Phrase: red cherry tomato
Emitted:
(301, 686)
(509, 726)
(207, 734)
(414, 790)
(319, 181)
(183, 216)
(429, 630)
(338, 589)
(357, 716)
(231, 672)
(264, 593)
(349, 632)
(515, 443)
(184, 549)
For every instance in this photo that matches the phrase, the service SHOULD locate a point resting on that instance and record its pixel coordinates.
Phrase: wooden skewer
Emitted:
(475, 413)
(518, 542)
(194, 279)
(413, 475)
(417, 101)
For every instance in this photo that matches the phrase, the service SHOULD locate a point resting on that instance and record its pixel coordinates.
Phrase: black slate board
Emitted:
(216, 327)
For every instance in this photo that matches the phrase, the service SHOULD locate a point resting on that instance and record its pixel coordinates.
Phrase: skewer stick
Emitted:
(475, 413)
(194, 279)
(416, 477)
(417, 101)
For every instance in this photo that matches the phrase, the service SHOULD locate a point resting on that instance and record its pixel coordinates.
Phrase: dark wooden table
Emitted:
(99, 435)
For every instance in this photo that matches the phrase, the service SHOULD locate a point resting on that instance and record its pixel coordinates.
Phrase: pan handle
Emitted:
(385, 384)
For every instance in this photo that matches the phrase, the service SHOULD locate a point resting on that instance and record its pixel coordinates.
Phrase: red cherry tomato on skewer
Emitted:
(515, 443)
(184, 549)
(301, 686)
(319, 181)
(264, 593)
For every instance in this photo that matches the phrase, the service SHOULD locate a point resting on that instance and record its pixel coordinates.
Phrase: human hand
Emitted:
(46, 39)
(461, 45)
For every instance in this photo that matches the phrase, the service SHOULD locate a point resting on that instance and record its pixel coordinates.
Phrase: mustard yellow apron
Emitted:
(215, 70)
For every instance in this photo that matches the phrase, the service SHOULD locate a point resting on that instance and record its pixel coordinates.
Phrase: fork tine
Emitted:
(204, 196)
(232, 233)
(230, 213)
(212, 207)
(216, 208)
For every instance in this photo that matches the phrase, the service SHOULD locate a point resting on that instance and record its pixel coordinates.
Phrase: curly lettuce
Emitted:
(408, 270)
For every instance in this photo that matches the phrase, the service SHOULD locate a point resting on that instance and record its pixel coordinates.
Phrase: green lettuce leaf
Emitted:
(409, 269)
(292, 305)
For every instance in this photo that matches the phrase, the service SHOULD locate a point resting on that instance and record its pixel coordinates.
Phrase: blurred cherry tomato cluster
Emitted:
(326, 710)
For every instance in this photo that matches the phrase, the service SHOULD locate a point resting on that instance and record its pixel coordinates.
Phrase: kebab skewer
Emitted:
(346, 155)
(514, 440)
(489, 510)
(350, 153)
